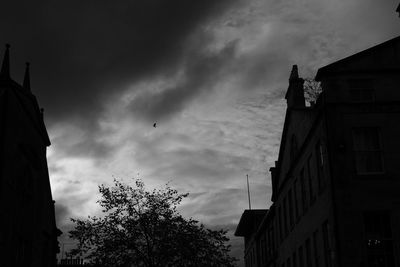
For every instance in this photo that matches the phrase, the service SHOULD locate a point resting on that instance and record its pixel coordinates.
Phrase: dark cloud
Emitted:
(85, 51)
(86, 143)
(201, 72)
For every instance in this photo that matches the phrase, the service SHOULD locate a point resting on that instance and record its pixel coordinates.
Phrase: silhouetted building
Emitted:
(28, 233)
(336, 183)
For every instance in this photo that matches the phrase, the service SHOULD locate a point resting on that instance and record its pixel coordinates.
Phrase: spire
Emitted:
(294, 74)
(27, 82)
(5, 68)
(295, 92)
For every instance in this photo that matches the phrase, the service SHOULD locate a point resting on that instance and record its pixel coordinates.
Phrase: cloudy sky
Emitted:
(212, 74)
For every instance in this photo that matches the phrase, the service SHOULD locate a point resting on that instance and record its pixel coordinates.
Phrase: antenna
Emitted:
(248, 191)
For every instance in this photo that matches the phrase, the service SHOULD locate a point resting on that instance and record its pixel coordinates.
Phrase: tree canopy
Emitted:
(312, 89)
(144, 228)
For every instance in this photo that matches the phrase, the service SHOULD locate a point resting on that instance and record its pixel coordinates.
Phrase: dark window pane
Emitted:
(361, 90)
(296, 205)
(294, 259)
(377, 224)
(367, 150)
(369, 161)
(366, 138)
(303, 191)
(310, 173)
(280, 223)
(315, 244)
(378, 243)
(308, 253)
(301, 259)
(327, 244)
(285, 222)
(291, 215)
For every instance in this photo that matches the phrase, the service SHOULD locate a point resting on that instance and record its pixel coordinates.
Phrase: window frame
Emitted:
(370, 236)
(320, 161)
(291, 210)
(310, 178)
(367, 87)
(358, 150)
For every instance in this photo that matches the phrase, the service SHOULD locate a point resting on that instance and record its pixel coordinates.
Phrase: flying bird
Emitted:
(155, 125)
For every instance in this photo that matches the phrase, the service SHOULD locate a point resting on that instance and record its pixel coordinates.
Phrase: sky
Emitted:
(211, 74)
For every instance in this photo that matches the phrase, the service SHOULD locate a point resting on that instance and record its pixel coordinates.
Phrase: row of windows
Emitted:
(311, 253)
(318, 249)
(378, 244)
(367, 149)
(303, 192)
(295, 203)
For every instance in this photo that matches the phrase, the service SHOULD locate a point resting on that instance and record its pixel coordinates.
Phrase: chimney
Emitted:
(274, 181)
(295, 93)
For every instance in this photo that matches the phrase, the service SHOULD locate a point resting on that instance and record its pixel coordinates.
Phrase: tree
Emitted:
(312, 89)
(144, 228)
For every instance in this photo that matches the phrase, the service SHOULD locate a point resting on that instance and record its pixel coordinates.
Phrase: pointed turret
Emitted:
(5, 67)
(27, 82)
(294, 74)
(295, 93)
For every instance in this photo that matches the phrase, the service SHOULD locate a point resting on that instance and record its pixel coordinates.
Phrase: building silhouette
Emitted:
(28, 233)
(336, 183)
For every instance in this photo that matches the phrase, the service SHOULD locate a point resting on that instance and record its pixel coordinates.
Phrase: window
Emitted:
(378, 239)
(285, 211)
(293, 149)
(361, 90)
(327, 244)
(296, 205)
(276, 233)
(273, 239)
(310, 179)
(294, 260)
(288, 262)
(319, 152)
(263, 255)
(315, 244)
(367, 150)
(270, 241)
(303, 191)
(301, 259)
(254, 255)
(308, 253)
(291, 215)
(280, 223)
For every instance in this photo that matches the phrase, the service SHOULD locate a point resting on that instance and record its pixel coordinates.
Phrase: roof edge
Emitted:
(328, 68)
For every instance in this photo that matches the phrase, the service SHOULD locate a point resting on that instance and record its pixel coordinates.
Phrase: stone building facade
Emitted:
(336, 182)
(28, 233)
